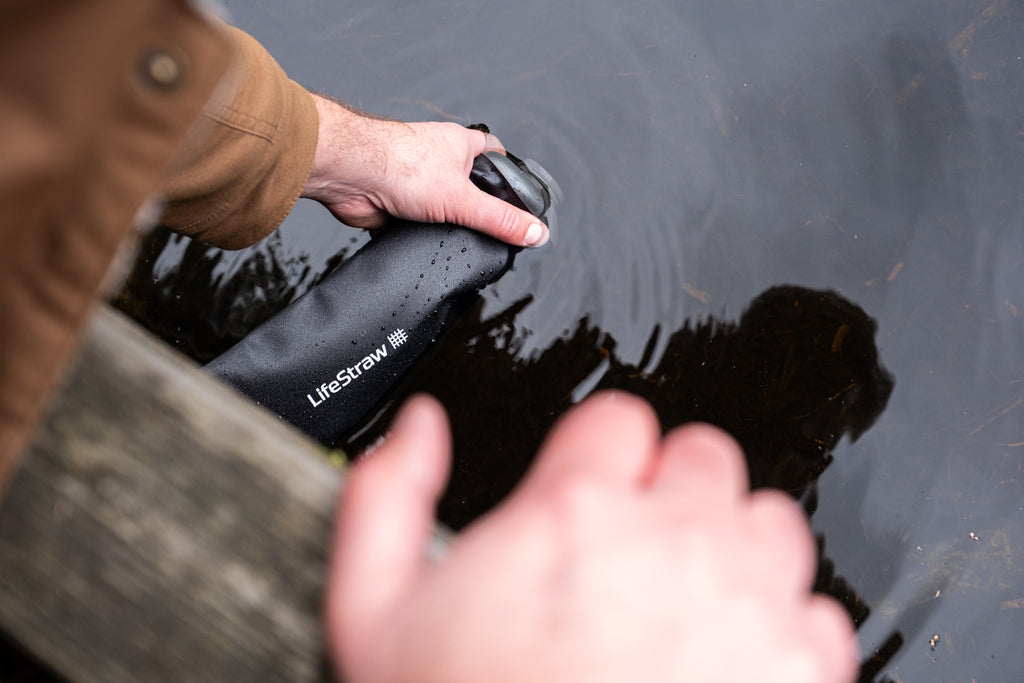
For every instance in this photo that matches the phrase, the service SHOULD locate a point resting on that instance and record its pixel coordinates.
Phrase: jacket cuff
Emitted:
(245, 161)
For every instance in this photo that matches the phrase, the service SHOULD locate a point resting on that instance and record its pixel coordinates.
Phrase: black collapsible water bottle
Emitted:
(330, 356)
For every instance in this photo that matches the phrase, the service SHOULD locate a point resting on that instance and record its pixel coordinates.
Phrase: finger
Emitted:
(493, 144)
(489, 142)
(611, 438)
(385, 517)
(701, 464)
(779, 527)
(832, 641)
(499, 219)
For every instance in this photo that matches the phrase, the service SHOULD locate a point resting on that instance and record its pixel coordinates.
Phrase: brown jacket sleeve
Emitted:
(246, 160)
(94, 100)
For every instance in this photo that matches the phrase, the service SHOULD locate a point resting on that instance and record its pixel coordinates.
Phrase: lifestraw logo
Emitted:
(346, 376)
(397, 338)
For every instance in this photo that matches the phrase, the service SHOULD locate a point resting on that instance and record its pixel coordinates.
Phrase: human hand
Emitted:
(366, 169)
(621, 557)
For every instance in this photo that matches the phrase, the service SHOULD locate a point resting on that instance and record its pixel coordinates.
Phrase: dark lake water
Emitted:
(867, 155)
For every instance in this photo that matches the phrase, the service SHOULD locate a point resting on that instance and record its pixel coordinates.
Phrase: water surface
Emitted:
(710, 151)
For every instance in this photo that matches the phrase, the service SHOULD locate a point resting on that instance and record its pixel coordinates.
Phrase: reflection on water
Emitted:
(203, 300)
(797, 372)
(709, 151)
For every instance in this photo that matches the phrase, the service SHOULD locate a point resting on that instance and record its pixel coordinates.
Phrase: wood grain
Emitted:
(161, 528)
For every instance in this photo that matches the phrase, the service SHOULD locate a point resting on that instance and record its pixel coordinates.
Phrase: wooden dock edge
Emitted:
(162, 528)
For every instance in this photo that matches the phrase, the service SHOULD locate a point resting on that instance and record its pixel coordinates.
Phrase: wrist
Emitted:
(350, 152)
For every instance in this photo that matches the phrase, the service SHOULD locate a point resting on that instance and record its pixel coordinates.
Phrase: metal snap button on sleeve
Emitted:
(161, 69)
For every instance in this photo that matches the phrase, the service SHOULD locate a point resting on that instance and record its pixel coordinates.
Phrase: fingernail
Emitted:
(537, 235)
(493, 144)
(377, 443)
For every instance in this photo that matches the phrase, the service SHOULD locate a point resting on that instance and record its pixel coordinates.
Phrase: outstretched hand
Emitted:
(367, 169)
(623, 556)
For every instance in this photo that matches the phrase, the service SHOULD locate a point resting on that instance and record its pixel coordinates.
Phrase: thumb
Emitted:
(499, 219)
(385, 518)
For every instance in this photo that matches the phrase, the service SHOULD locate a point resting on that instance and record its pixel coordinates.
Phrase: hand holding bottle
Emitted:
(367, 169)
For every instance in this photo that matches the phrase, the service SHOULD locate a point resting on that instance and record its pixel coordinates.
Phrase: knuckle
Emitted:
(778, 509)
(575, 500)
(508, 224)
(779, 518)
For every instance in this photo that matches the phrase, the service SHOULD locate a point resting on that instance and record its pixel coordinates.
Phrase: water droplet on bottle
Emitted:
(463, 250)
(432, 262)
(449, 258)
(421, 275)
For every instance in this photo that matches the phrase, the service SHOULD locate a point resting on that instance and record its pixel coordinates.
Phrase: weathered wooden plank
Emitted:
(163, 529)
